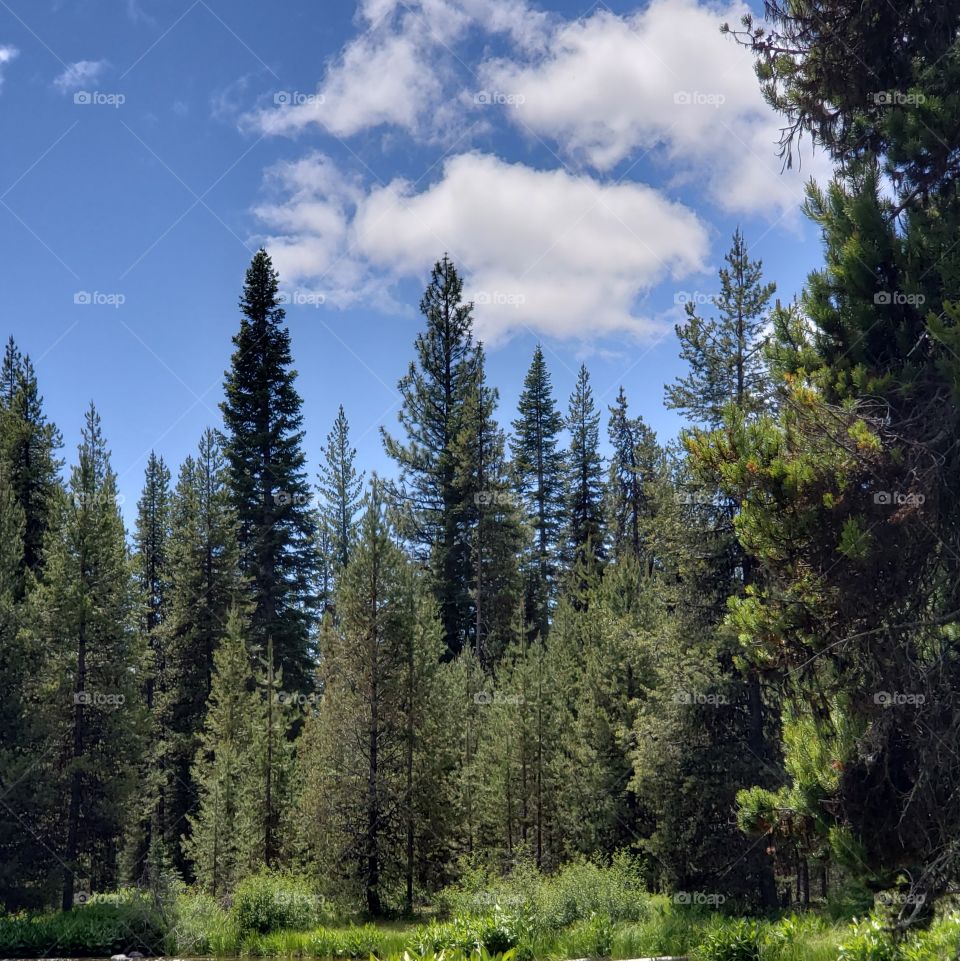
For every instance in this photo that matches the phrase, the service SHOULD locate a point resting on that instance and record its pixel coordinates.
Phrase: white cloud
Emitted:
(663, 79)
(7, 53)
(78, 75)
(400, 70)
(378, 79)
(546, 250)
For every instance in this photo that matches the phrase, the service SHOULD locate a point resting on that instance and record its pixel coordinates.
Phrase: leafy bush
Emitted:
(271, 901)
(871, 941)
(577, 892)
(202, 926)
(95, 928)
(496, 933)
(729, 940)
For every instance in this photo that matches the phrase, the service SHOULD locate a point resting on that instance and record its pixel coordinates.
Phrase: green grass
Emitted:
(582, 912)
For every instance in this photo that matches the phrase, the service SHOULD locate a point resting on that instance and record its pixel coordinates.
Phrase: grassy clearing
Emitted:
(582, 912)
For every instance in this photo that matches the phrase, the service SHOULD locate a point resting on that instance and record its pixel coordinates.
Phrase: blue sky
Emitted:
(584, 165)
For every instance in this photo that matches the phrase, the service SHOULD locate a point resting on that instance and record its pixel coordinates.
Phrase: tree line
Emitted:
(735, 654)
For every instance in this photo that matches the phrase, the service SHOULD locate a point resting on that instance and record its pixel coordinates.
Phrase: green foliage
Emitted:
(94, 929)
(268, 480)
(270, 901)
(737, 940)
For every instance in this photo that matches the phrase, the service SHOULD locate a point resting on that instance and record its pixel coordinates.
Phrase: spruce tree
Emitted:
(434, 391)
(152, 587)
(490, 519)
(217, 846)
(584, 488)
(264, 448)
(539, 467)
(27, 866)
(95, 668)
(204, 585)
(633, 484)
(362, 751)
(725, 353)
(28, 445)
(340, 487)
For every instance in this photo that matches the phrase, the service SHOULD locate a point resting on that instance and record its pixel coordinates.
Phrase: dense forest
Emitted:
(733, 656)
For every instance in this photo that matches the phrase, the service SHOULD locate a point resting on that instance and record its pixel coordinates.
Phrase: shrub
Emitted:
(95, 928)
(871, 941)
(730, 940)
(270, 901)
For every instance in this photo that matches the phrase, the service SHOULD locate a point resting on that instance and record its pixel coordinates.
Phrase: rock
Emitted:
(118, 957)
(134, 954)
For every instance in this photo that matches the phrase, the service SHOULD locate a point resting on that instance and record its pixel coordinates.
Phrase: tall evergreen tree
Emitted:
(362, 750)
(632, 491)
(147, 845)
(539, 467)
(434, 391)
(584, 487)
(204, 585)
(28, 445)
(490, 521)
(95, 668)
(216, 843)
(340, 486)
(264, 448)
(27, 867)
(725, 353)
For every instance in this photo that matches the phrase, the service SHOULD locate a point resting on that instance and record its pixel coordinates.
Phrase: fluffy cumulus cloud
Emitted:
(558, 253)
(7, 53)
(77, 76)
(662, 83)
(400, 70)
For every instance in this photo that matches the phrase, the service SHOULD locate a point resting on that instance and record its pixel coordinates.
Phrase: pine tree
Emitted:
(95, 667)
(434, 391)
(204, 585)
(633, 483)
(584, 487)
(490, 520)
(264, 448)
(217, 845)
(28, 445)
(340, 487)
(152, 587)
(539, 468)
(26, 863)
(362, 750)
(726, 353)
